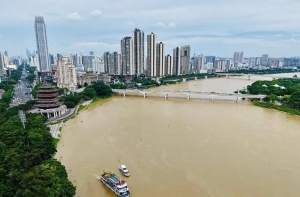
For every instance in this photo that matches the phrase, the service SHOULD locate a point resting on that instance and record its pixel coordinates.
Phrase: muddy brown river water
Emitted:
(179, 147)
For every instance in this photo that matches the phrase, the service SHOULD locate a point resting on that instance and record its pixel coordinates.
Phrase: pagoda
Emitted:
(47, 97)
(47, 102)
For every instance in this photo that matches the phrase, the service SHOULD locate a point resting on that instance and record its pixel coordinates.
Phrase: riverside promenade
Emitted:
(55, 124)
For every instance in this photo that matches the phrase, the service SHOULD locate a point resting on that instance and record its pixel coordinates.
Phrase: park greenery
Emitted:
(27, 167)
(281, 94)
(96, 90)
(262, 72)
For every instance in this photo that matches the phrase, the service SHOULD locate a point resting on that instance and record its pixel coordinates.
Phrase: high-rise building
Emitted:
(210, 62)
(264, 59)
(138, 51)
(241, 57)
(127, 56)
(176, 61)
(98, 65)
(42, 45)
(77, 62)
(168, 65)
(160, 59)
(66, 74)
(106, 61)
(87, 62)
(238, 57)
(185, 59)
(117, 63)
(1, 66)
(112, 63)
(151, 55)
(199, 64)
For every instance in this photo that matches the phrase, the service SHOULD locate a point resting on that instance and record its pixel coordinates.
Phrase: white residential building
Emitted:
(66, 73)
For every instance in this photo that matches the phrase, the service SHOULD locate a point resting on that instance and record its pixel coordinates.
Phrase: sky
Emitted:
(210, 27)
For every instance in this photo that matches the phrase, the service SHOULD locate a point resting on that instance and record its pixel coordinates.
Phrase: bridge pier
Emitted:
(166, 95)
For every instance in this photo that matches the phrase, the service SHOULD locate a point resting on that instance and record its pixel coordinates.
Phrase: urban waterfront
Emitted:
(177, 147)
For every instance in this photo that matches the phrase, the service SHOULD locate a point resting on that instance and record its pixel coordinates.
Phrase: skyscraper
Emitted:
(264, 59)
(112, 62)
(151, 55)
(160, 59)
(1, 66)
(199, 64)
(127, 56)
(185, 59)
(138, 51)
(42, 45)
(238, 57)
(168, 65)
(176, 61)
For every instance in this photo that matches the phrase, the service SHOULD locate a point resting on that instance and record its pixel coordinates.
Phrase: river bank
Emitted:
(277, 107)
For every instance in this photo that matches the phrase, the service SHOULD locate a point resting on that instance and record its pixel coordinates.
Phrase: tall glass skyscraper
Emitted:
(42, 45)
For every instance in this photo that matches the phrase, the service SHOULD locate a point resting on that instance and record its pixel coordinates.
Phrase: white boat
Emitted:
(124, 170)
(117, 185)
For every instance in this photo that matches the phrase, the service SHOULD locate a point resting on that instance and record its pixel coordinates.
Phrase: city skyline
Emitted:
(78, 27)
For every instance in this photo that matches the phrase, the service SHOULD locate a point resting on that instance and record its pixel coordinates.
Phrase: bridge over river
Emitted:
(187, 94)
(249, 76)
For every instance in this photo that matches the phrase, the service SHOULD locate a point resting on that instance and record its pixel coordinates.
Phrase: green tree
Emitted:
(31, 77)
(89, 93)
(295, 99)
(102, 89)
(272, 97)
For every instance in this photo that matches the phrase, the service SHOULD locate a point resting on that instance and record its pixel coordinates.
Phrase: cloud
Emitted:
(159, 24)
(130, 23)
(172, 25)
(163, 25)
(95, 13)
(74, 16)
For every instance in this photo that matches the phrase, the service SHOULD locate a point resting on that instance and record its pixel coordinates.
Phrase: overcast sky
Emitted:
(210, 27)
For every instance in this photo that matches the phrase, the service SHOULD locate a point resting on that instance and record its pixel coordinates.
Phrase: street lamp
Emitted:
(22, 117)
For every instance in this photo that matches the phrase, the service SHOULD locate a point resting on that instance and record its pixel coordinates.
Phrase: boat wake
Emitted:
(97, 176)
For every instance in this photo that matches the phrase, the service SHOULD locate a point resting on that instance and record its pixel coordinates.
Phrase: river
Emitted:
(180, 147)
